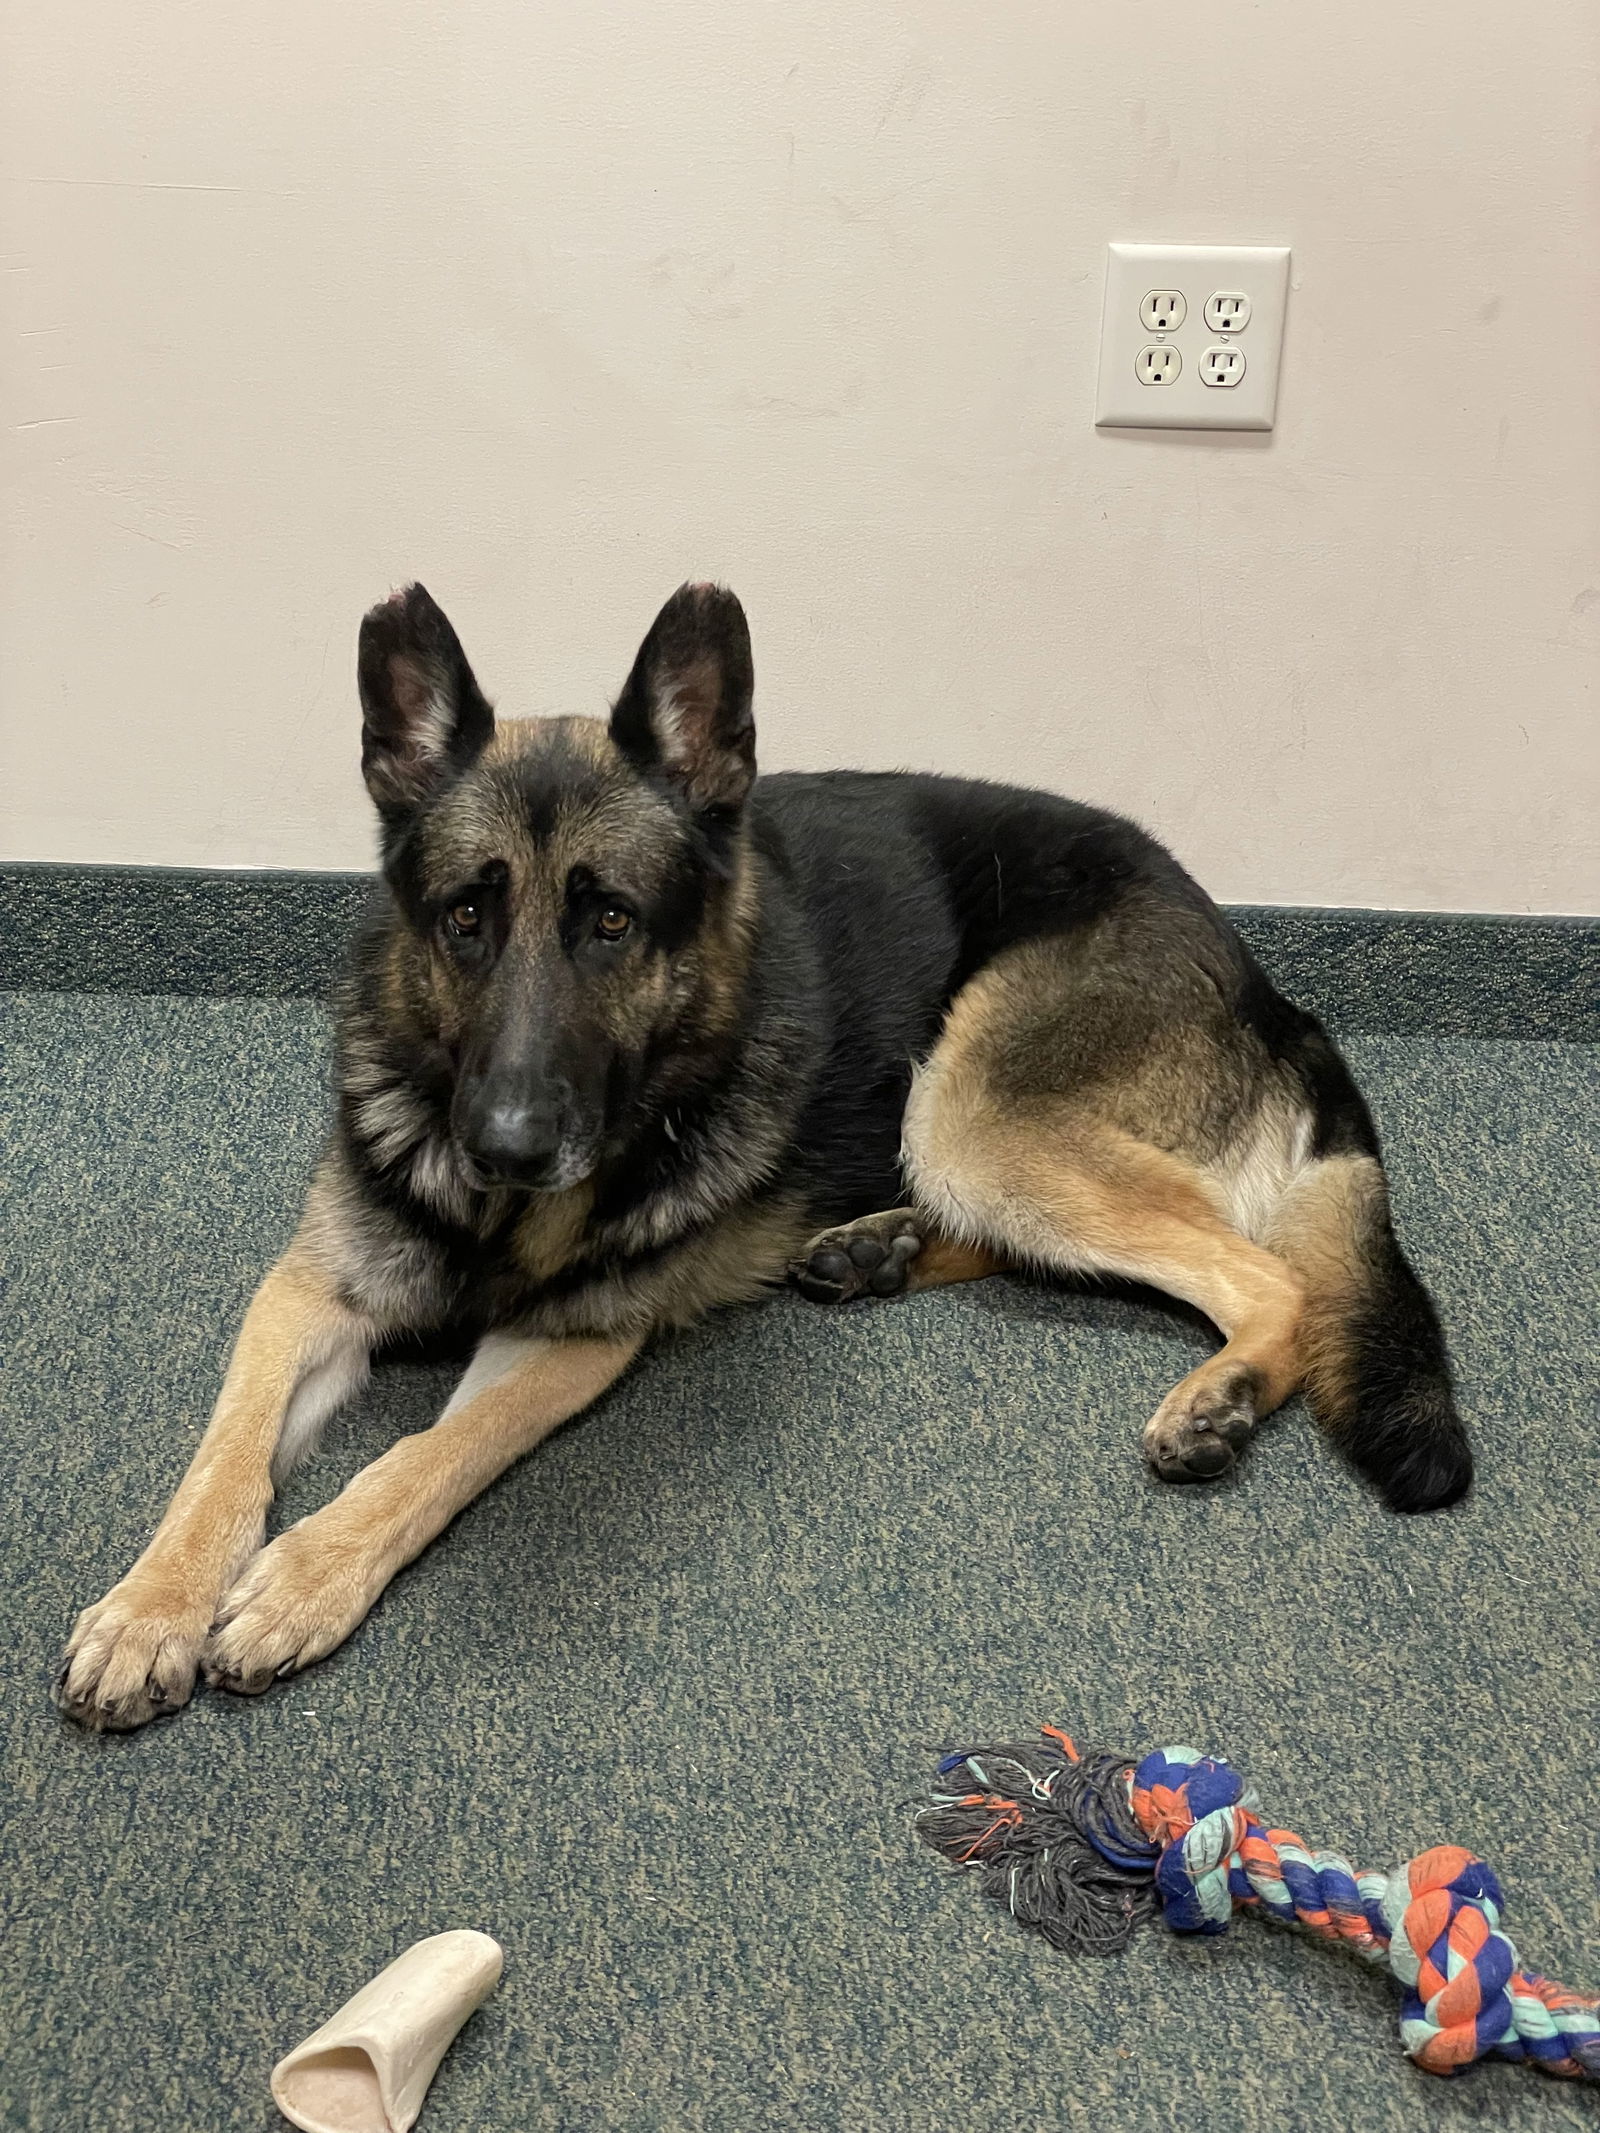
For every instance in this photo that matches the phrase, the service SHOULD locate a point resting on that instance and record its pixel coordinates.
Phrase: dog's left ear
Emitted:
(423, 716)
(684, 712)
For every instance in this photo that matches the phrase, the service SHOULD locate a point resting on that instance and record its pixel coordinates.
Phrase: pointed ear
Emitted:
(684, 712)
(423, 716)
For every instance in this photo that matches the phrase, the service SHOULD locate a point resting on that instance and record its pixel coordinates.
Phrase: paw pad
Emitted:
(1198, 1435)
(870, 1258)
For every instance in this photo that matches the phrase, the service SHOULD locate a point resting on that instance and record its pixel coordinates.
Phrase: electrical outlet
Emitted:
(1221, 366)
(1163, 311)
(1157, 366)
(1227, 311)
(1223, 303)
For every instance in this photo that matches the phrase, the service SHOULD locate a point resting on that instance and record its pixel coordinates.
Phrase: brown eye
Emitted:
(613, 922)
(464, 919)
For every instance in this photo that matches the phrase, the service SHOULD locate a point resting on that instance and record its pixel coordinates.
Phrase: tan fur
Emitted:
(1049, 1181)
(733, 1262)
(511, 737)
(1318, 1227)
(721, 966)
(943, 1261)
(133, 1653)
(302, 1596)
(549, 1233)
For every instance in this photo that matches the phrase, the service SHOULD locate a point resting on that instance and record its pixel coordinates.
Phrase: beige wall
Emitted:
(554, 306)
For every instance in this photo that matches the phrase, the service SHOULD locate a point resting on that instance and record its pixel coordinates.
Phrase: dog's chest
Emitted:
(549, 1233)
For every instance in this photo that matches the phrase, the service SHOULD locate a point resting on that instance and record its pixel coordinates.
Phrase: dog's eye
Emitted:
(613, 922)
(463, 919)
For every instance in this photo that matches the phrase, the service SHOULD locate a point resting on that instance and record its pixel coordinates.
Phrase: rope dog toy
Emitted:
(1085, 1848)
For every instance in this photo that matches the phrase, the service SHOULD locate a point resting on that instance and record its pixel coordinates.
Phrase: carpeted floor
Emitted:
(654, 1712)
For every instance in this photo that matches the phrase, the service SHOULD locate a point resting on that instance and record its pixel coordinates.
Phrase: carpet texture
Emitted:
(655, 1711)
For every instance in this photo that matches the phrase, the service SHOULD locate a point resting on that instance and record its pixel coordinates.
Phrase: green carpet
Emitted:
(654, 1712)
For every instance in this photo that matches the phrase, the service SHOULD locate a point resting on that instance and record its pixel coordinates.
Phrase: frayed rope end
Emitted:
(1053, 1837)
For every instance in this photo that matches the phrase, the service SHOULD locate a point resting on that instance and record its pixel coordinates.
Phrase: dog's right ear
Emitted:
(423, 716)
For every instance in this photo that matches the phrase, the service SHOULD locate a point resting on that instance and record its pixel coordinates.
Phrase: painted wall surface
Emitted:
(556, 306)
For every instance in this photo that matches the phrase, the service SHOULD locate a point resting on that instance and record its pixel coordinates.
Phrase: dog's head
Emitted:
(568, 888)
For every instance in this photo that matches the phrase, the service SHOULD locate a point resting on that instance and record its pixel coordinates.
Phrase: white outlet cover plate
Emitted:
(1259, 271)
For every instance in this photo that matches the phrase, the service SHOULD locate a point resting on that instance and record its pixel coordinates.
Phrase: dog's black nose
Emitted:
(513, 1141)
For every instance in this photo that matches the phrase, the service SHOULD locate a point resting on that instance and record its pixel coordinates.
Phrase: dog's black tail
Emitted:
(1377, 1375)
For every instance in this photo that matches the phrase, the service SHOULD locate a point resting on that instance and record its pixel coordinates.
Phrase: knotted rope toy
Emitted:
(1085, 1848)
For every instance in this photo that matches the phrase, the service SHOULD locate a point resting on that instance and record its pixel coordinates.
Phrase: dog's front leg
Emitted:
(303, 1595)
(133, 1655)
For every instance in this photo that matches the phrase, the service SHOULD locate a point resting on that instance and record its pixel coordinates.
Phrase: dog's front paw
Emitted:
(133, 1655)
(298, 1600)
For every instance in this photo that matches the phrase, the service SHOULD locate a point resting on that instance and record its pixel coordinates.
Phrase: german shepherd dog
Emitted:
(629, 1035)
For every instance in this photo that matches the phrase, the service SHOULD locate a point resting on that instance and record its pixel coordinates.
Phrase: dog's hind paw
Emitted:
(1200, 1428)
(871, 1257)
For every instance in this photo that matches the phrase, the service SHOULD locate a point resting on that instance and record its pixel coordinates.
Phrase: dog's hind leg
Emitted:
(1100, 1104)
(1057, 1178)
(892, 1254)
(1069, 1197)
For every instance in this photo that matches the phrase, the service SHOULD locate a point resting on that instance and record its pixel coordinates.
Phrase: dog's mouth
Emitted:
(573, 1163)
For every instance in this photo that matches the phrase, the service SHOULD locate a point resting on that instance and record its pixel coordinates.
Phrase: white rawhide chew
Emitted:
(367, 2069)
